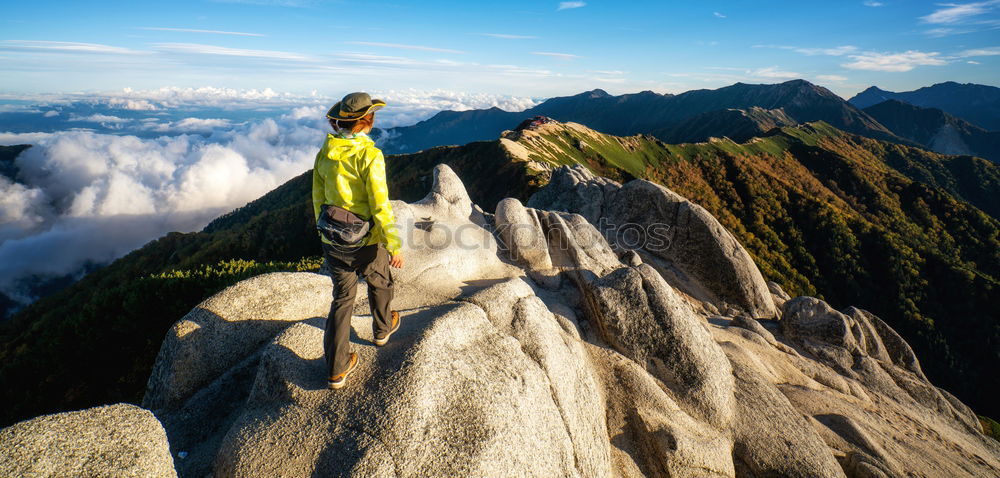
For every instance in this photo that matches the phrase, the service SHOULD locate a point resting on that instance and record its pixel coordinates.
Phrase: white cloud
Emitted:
(200, 49)
(954, 13)
(894, 62)
(105, 194)
(188, 125)
(194, 30)
(51, 114)
(561, 56)
(507, 36)
(64, 47)
(833, 78)
(871, 3)
(405, 106)
(718, 15)
(410, 106)
(569, 5)
(100, 118)
(21, 208)
(772, 72)
(404, 47)
(942, 32)
(973, 62)
(834, 51)
(988, 51)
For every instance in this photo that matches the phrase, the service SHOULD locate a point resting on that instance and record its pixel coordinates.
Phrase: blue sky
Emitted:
(536, 49)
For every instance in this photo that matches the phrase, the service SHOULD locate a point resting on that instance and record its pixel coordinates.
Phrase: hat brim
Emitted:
(336, 114)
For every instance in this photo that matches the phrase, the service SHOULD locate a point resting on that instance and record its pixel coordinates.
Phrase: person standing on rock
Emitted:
(357, 229)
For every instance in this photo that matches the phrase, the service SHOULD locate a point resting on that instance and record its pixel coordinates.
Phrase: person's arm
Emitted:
(318, 189)
(378, 201)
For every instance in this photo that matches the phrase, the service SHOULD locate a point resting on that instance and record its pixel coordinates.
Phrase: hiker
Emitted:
(357, 229)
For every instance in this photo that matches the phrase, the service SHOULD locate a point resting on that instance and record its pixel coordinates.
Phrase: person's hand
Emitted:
(397, 260)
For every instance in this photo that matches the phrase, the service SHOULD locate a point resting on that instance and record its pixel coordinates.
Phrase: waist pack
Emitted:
(342, 227)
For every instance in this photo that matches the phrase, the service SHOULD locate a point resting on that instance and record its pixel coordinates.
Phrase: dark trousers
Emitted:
(372, 263)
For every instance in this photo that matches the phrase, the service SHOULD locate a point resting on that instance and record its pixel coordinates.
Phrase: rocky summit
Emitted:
(603, 329)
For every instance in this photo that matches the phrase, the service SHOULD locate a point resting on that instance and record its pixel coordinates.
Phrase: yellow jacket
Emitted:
(350, 173)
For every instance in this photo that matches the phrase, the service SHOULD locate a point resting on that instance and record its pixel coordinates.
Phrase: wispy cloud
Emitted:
(773, 72)
(728, 74)
(100, 118)
(195, 30)
(955, 18)
(510, 37)
(718, 15)
(954, 13)
(65, 47)
(404, 47)
(988, 51)
(569, 5)
(894, 62)
(197, 48)
(561, 56)
(385, 60)
(973, 62)
(833, 78)
(834, 51)
(870, 3)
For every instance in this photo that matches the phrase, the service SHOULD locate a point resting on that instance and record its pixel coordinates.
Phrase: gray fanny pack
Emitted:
(342, 227)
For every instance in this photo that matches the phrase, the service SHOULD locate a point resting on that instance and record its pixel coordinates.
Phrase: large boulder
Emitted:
(689, 243)
(522, 234)
(416, 407)
(110, 441)
(642, 317)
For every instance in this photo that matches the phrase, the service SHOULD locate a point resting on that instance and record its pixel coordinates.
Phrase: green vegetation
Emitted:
(102, 348)
(990, 427)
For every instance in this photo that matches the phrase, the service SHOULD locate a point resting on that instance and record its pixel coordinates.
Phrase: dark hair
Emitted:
(354, 126)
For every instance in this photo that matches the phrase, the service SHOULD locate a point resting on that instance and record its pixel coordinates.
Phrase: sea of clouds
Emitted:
(108, 173)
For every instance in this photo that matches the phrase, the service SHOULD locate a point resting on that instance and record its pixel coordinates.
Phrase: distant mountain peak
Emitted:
(974, 103)
(873, 89)
(798, 81)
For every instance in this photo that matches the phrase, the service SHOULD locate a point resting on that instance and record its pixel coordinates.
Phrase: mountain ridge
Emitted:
(977, 104)
(940, 131)
(637, 113)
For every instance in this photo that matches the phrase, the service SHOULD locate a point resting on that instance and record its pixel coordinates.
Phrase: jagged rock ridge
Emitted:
(534, 343)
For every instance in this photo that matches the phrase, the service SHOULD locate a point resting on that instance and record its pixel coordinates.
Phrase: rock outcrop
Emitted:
(680, 238)
(115, 440)
(535, 343)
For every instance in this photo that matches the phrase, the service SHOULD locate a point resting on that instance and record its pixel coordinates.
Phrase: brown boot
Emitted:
(339, 380)
(384, 338)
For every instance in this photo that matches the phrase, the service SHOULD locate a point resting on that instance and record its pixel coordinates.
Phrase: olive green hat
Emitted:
(354, 106)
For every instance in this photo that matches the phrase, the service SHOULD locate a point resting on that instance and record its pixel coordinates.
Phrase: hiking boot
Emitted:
(380, 341)
(339, 380)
